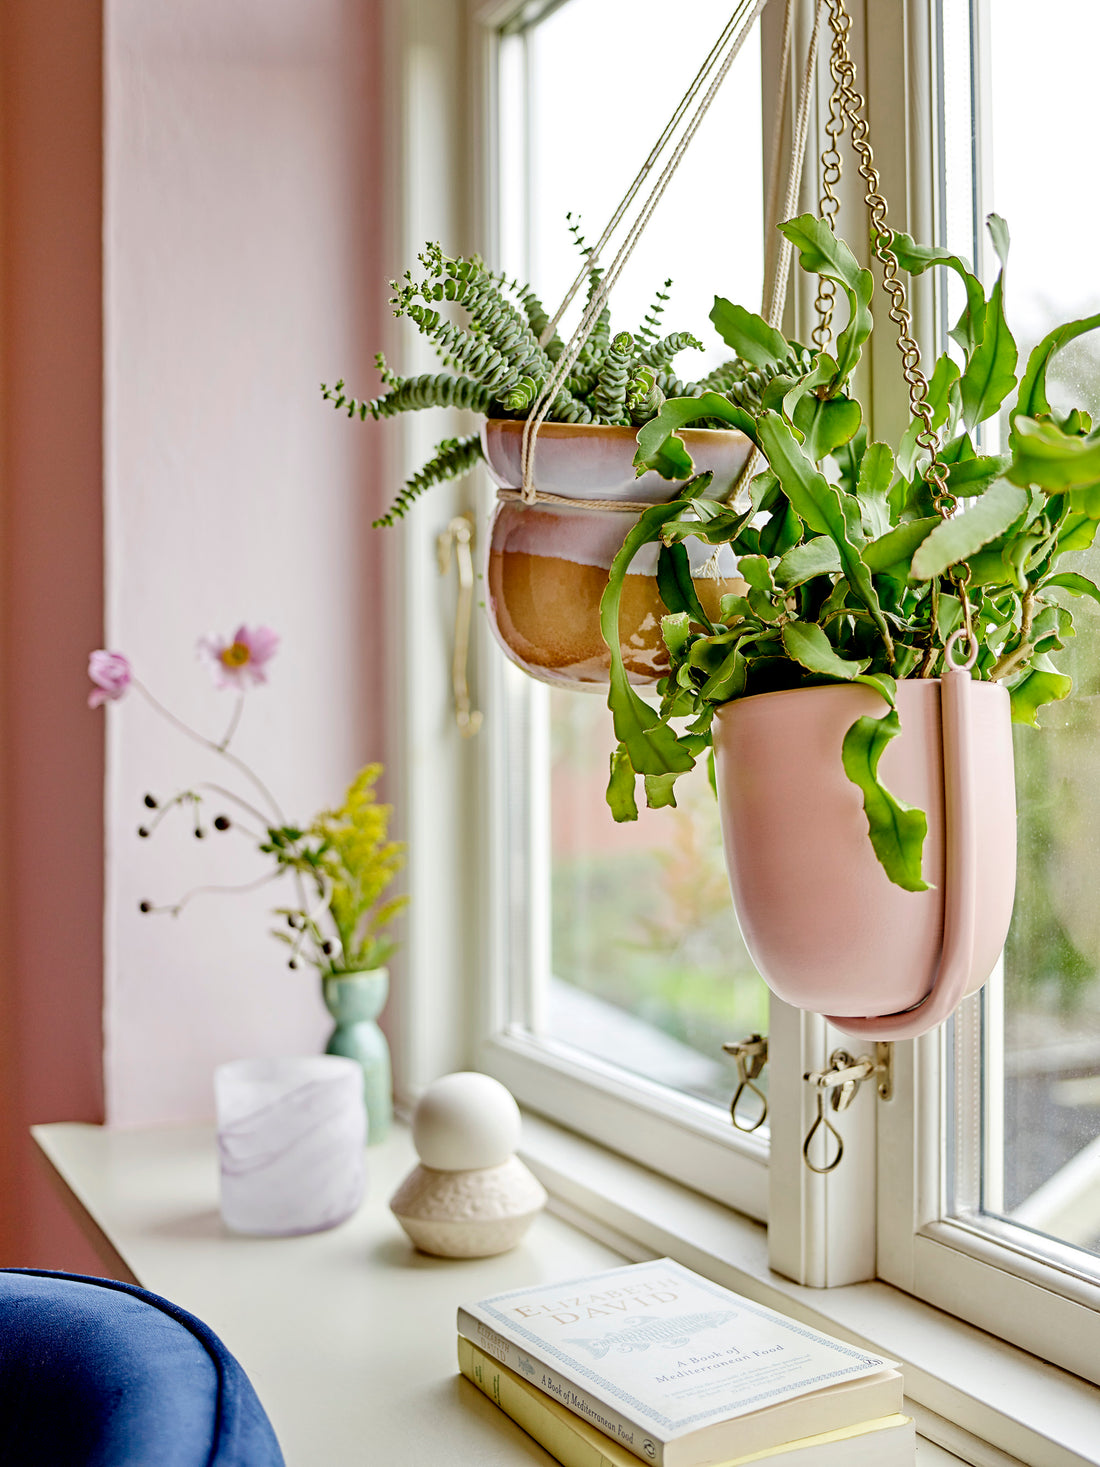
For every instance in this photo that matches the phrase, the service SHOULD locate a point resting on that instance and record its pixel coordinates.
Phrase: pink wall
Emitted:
(239, 273)
(52, 580)
(188, 209)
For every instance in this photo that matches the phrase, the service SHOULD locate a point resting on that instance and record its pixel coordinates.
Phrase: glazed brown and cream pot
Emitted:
(549, 563)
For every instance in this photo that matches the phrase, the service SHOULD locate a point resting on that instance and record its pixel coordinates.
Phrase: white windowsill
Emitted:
(986, 1401)
(348, 1335)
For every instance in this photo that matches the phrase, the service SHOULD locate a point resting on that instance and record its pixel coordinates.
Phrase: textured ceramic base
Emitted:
(470, 1214)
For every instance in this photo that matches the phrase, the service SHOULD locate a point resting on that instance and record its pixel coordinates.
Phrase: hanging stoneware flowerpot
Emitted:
(826, 927)
(549, 561)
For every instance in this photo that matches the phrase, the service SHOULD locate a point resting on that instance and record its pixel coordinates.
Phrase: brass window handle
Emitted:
(458, 540)
(840, 1082)
(751, 1055)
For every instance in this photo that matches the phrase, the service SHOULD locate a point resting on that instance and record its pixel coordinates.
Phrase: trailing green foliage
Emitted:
(498, 368)
(850, 573)
(452, 458)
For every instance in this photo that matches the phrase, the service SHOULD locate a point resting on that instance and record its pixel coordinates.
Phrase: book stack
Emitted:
(653, 1362)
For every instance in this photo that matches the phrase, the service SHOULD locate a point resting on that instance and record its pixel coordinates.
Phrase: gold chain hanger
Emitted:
(847, 109)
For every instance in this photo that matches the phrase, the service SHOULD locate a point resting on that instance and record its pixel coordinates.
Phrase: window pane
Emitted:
(604, 80)
(644, 967)
(649, 970)
(1040, 1119)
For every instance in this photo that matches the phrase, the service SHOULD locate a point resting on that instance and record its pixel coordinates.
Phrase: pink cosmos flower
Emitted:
(242, 659)
(111, 673)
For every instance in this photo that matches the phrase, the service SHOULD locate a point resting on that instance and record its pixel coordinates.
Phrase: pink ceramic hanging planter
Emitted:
(822, 921)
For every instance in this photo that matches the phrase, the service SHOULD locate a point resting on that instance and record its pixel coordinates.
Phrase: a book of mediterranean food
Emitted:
(678, 1370)
(889, 1441)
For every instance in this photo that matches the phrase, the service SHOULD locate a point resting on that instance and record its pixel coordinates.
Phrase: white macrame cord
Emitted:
(711, 75)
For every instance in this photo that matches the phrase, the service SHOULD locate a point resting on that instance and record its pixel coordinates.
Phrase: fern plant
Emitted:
(498, 364)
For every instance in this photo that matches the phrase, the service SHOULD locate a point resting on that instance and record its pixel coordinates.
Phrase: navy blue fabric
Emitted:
(96, 1373)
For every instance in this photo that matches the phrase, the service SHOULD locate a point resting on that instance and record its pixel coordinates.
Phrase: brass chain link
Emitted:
(846, 104)
(831, 168)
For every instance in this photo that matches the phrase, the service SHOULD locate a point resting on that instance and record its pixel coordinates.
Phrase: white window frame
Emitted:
(675, 1134)
(880, 1214)
(988, 1272)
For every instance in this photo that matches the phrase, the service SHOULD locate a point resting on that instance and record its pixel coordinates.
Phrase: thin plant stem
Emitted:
(233, 722)
(195, 891)
(193, 733)
(233, 759)
(227, 794)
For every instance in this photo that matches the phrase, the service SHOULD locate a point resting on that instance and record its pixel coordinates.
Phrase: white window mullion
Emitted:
(821, 1229)
(434, 767)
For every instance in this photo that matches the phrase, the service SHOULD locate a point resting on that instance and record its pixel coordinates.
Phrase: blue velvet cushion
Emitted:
(95, 1373)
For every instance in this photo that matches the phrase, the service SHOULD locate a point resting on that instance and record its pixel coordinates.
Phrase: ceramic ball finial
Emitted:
(470, 1196)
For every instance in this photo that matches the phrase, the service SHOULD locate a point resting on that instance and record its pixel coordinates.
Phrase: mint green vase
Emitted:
(355, 1000)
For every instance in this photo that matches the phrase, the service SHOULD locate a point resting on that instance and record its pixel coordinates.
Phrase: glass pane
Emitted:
(601, 91)
(649, 970)
(645, 969)
(1040, 1129)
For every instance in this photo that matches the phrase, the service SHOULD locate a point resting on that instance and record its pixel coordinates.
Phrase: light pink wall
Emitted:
(169, 300)
(242, 147)
(51, 760)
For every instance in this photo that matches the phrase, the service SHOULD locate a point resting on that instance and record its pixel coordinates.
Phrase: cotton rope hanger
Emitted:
(714, 69)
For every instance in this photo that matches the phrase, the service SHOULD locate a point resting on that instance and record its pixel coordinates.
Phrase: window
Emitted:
(954, 1189)
(1006, 1103)
(631, 972)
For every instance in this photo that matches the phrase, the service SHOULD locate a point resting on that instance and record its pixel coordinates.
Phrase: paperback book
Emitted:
(888, 1442)
(678, 1370)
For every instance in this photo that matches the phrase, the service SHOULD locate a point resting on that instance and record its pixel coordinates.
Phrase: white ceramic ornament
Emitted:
(470, 1196)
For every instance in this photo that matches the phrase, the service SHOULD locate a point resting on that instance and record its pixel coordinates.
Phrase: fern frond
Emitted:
(647, 335)
(476, 357)
(596, 347)
(673, 386)
(339, 399)
(538, 317)
(660, 353)
(580, 384)
(453, 458)
(725, 375)
(566, 408)
(643, 396)
(491, 314)
(573, 224)
(520, 397)
(427, 390)
(609, 397)
(748, 392)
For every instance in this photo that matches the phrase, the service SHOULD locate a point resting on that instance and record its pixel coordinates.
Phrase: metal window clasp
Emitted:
(840, 1082)
(458, 538)
(751, 1055)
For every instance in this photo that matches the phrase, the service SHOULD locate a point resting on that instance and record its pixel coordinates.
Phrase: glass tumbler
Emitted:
(291, 1138)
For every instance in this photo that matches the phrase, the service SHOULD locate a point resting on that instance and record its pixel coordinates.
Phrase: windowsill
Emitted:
(347, 1335)
(984, 1400)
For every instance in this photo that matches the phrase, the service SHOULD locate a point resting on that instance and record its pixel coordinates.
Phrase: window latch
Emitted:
(458, 538)
(841, 1082)
(751, 1055)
